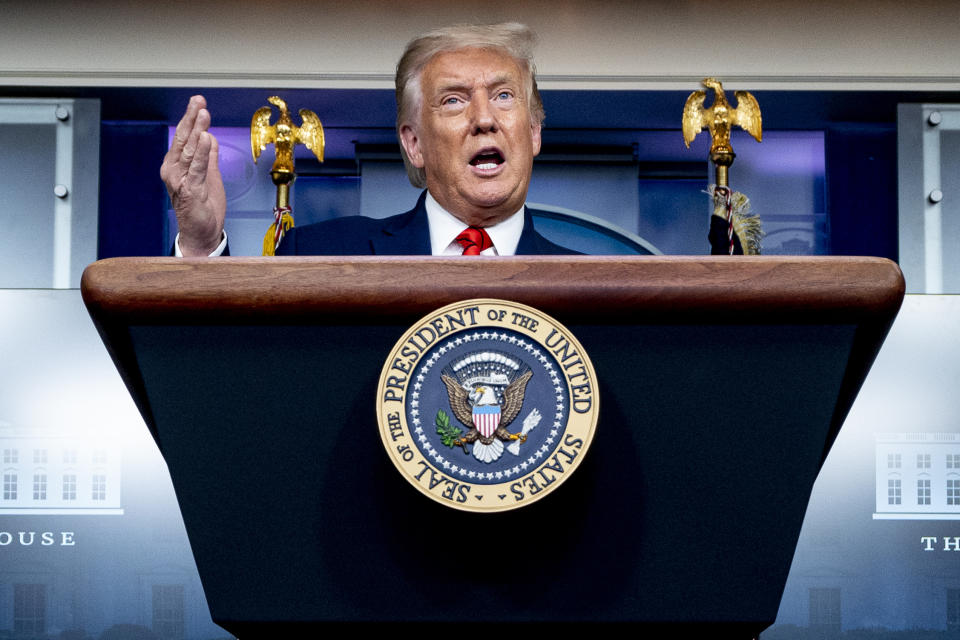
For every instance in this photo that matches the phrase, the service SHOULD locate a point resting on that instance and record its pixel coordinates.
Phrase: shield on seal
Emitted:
(486, 419)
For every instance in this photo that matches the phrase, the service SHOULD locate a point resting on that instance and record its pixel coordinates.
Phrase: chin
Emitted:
(488, 217)
(495, 201)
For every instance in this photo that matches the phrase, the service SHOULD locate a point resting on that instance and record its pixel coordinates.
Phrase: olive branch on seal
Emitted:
(448, 433)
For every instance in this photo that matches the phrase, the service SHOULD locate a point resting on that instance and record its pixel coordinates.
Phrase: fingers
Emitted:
(177, 161)
(186, 125)
(199, 154)
(189, 152)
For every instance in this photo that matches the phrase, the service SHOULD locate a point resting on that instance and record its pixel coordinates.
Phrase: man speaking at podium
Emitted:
(468, 118)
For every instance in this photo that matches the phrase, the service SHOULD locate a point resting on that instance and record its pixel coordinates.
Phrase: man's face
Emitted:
(474, 138)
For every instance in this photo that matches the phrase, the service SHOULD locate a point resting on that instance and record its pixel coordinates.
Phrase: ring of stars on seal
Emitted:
(487, 405)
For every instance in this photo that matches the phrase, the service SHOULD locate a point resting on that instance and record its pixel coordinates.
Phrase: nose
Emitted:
(483, 118)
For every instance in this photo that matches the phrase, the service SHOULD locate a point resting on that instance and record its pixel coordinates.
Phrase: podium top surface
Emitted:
(631, 289)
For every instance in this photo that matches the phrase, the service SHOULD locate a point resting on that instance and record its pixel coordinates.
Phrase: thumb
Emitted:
(214, 158)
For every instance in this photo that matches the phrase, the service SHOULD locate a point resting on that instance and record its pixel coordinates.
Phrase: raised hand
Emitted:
(192, 175)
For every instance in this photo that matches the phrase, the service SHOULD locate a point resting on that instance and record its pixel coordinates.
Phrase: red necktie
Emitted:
(474, 240)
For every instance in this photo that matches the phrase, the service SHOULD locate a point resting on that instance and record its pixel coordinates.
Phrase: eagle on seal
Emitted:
(486, 417)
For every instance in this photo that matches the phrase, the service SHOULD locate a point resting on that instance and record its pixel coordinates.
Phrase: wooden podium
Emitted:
(723, 382)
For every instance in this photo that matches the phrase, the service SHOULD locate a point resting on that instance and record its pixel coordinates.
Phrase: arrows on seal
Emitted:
(529, 424)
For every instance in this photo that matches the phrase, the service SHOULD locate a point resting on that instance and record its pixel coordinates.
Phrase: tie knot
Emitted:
(474, 240)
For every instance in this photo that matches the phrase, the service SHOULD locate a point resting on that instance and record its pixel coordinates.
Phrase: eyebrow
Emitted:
(459, 85)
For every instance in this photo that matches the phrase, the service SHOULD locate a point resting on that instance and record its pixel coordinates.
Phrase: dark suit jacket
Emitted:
(407, 234)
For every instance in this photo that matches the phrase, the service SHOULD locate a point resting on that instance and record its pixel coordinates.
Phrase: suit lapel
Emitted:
(528, 245)
(405, 235)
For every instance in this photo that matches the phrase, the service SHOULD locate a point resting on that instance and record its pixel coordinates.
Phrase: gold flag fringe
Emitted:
(746, 224)
(271, 240)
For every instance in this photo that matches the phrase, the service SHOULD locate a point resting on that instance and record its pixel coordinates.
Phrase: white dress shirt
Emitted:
(444, 229)
(213, 254)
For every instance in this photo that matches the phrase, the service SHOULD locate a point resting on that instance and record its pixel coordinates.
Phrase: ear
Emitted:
(411, 145)
(535, 137)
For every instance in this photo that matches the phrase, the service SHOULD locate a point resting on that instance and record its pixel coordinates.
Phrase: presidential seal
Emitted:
(487, 405)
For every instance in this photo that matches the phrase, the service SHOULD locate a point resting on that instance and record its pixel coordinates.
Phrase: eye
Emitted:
(504, 95)
(451, 100)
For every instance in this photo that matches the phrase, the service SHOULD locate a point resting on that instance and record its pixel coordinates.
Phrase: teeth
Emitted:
(487, 165)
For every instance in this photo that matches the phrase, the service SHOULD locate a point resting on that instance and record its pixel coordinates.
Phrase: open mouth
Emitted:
(487, 159)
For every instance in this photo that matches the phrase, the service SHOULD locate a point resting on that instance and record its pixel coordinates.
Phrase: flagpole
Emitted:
(719, 119)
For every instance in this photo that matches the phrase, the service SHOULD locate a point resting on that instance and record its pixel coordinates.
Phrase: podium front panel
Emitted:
(685, 510)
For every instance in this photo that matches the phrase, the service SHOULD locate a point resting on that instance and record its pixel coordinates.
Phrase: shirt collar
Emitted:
(445, 227)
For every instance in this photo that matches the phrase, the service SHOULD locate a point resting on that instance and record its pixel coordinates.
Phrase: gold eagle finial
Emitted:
(284, 135)
(720, 118)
